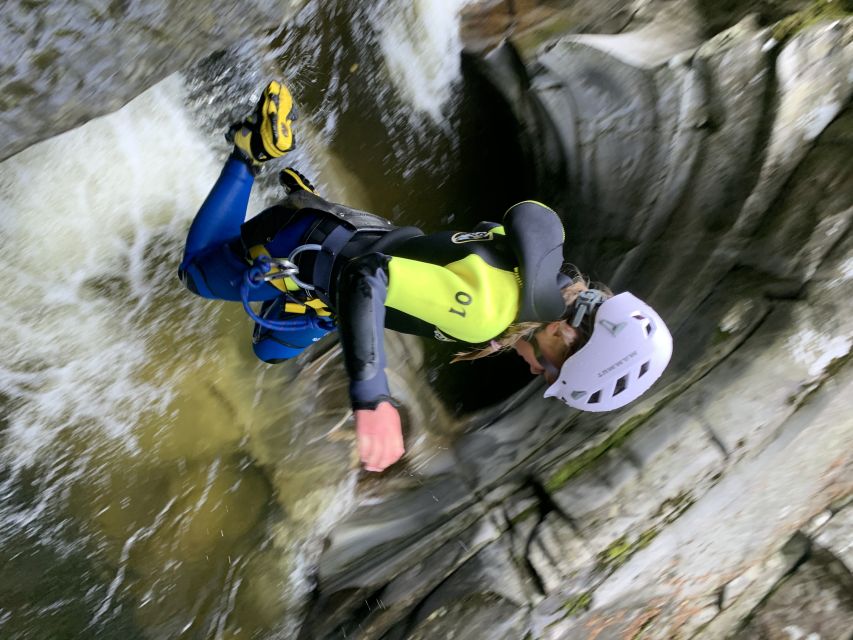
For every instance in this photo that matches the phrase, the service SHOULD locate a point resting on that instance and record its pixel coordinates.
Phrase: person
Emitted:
(318, 267)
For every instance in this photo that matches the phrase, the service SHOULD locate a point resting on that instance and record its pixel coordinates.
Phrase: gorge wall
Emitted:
(713, 176)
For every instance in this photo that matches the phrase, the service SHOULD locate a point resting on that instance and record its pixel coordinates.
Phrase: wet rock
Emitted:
(739, 596)
(68, 62)
(837, 536)
(529, 22)
(667, 518)
(710, 176)
(554, 550)
(815, 602)
(473, 617)
(656, 473)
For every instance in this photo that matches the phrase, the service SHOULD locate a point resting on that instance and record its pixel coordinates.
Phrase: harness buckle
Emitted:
(286, 267)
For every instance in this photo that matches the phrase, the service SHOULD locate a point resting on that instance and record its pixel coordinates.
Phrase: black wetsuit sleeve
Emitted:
(361, 317)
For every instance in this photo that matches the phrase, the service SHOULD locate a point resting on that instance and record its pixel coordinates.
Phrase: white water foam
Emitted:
(80, 212)
(421, 45)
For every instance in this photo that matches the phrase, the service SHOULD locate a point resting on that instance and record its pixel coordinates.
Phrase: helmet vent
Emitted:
(621, 383)
(644, 369)
(644, 322)
(594, 398)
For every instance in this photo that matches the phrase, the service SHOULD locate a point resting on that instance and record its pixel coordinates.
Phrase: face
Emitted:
(549, 350)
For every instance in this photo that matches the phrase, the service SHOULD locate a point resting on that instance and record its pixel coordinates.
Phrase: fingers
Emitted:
(379, 453)
(366, 447)
(380, 437)
(394, 449)
(389, 453)
(374, 460)
(371, 450)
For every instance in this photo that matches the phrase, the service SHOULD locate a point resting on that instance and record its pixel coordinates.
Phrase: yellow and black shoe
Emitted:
(292, 180)
(268, 132)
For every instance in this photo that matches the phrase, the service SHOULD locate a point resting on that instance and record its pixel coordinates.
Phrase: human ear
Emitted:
(567, 332)
(554, 328)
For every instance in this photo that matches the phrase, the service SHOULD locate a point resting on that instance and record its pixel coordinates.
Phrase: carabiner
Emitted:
(296, 252)
(286, 269)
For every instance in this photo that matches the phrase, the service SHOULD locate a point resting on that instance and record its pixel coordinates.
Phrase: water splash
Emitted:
(104, 353)
(87, 214)
(421, 45)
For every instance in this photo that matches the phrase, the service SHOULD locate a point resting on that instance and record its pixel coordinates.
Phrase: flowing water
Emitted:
(155, 480)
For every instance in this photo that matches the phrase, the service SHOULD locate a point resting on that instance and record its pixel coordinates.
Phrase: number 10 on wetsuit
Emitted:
(463, 299)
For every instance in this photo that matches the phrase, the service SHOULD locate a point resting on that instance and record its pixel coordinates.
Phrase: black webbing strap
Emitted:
(332, 245)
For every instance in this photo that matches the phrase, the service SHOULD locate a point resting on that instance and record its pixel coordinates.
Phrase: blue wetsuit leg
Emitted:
(210, 267)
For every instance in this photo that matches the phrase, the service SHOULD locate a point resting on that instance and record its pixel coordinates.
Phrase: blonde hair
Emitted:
(525, 330)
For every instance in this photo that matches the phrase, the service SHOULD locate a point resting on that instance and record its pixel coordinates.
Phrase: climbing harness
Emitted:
(327, 242)
(261, 272)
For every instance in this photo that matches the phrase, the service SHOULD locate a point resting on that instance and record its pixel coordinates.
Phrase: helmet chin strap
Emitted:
(587, 302)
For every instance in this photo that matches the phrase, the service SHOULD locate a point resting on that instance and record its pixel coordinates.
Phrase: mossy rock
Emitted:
(820, 11)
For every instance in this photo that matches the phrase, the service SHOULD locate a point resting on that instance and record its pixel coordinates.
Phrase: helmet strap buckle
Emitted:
(587, 302)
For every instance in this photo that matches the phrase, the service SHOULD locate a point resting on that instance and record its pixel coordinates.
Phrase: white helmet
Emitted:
(628, 350)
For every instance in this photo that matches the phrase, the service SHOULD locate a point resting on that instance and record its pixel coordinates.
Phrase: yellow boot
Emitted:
(267, 133)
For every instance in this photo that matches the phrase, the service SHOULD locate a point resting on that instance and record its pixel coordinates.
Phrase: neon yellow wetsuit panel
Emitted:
(468, 299)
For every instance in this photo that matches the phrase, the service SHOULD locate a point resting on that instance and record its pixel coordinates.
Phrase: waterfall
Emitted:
(420, 44)
(126, 397)
(83, 211)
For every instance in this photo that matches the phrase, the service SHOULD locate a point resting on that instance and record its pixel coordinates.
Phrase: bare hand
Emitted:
(380, 436)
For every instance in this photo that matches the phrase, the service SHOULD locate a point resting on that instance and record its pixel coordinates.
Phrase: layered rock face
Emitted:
(714, 178)
(67, 62)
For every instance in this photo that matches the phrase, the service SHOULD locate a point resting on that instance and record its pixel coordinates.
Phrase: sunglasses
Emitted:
(551, 371)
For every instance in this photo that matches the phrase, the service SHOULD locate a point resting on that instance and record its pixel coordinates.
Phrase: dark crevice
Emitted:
(712, 435)
(537, 580)
(797, 538)
(720, 597)
(546, 502)
(629, 22)
(546, 506)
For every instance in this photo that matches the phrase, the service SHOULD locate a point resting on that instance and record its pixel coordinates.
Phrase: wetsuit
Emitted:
(460, 286)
